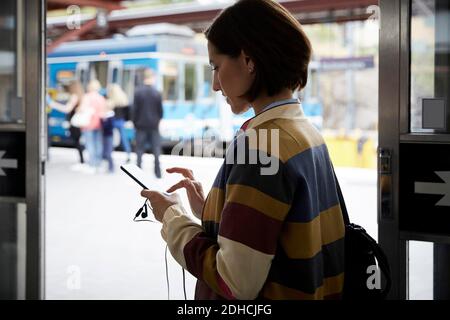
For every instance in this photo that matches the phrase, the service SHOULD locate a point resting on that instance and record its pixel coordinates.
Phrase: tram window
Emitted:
(83, 77)
(169, 72)
(127, 84)
(64, 77)
(207, 82)
(99, 71)
(170, 92)
(115, 75)
(190, 82)
(139, 77)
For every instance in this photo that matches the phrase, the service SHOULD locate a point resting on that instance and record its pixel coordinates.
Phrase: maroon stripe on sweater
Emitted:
(250, 227)
(224, 288)
(204, 292)
(194, 252)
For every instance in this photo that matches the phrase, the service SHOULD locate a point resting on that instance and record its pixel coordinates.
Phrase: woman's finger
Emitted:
(150, 194)
(185, 183)
(176, 186)
(198, 186)
(187, 173)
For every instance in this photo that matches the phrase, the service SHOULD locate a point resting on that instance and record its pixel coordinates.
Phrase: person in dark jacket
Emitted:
(146, 114)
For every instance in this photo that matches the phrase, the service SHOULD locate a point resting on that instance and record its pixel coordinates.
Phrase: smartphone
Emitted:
(135, 173)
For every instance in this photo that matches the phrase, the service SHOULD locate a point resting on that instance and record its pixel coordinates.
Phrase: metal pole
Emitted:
(350, 79)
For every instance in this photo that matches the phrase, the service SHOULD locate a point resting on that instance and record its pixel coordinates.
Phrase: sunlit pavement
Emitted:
(94, 250)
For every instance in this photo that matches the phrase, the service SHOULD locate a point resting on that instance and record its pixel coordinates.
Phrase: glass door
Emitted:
(22, 156)
(429, 114)
(430, 67)
(12, 223)
(414, 146)
(11, 63)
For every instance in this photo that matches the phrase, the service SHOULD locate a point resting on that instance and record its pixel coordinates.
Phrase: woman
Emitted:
(94, 104)
(118, 102)
(107, 122)
(270, 234)
(76, 92)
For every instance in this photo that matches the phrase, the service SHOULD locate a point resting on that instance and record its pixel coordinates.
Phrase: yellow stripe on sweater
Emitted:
(304, 240)
(214, 205)
(209, 269)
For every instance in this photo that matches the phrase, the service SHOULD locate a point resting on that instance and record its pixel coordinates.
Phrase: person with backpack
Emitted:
(271, 225)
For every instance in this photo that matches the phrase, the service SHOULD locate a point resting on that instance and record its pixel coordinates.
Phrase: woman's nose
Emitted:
(216, 84)
(216, 87)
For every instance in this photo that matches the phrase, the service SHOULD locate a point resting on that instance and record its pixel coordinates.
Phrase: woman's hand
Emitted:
(193, 188)
(160, 202)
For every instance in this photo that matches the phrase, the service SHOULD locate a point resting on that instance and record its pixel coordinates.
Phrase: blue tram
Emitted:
(184, 77)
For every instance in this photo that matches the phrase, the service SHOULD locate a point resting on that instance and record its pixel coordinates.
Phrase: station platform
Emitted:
(94, 250)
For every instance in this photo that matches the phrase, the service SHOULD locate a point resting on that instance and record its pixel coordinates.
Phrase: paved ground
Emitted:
(95, 251)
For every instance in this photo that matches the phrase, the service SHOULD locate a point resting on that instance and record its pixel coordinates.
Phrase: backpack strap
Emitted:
(378, 252)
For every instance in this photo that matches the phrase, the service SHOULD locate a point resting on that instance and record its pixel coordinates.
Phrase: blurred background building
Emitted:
(113, 41)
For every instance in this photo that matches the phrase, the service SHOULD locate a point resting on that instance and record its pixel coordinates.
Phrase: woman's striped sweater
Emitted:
(265, 233)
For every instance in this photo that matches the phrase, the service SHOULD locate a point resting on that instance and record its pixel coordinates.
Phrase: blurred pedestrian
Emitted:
(146, 114)
(75, 89)
(94, 104)
(107, 131)
(118, 102)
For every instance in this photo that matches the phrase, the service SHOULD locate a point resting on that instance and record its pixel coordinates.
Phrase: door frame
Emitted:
(36, 145)
(393, 122)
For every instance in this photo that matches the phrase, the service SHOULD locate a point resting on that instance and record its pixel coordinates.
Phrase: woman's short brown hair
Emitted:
(271, 37)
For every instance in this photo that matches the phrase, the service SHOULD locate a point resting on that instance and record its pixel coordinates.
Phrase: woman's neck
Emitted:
(264, 100)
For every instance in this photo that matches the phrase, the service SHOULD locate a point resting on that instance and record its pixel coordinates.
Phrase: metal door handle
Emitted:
(385, 184)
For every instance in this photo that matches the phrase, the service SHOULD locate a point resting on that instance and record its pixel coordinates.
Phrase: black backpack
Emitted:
(361, 252)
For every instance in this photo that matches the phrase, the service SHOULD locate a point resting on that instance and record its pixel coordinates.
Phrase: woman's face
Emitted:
(232, 76)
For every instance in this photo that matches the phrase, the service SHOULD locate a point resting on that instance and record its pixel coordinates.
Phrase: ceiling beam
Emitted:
(300, 6)
(107, 4)
(198, 16)
(126, 19)
(72, 34)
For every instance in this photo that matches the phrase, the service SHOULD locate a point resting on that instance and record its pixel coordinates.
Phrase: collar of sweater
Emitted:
(287, 111)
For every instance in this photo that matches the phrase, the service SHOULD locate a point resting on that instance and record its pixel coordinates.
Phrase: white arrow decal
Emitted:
(6, 163)
(436, 188)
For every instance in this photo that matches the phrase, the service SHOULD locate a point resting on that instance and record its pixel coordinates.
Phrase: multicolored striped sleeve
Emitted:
(255, 206)
(193, 249)
(252, 218)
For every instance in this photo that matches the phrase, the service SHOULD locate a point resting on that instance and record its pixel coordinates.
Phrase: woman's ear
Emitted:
(250, 64)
